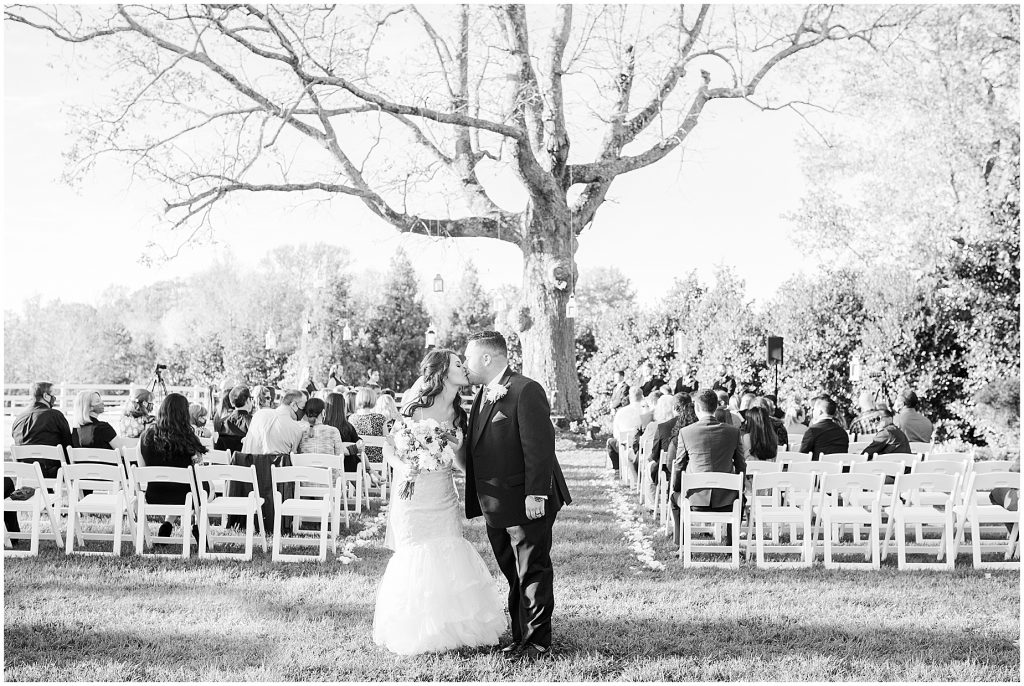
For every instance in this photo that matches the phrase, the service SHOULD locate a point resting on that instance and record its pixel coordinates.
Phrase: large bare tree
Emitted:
(425, 114)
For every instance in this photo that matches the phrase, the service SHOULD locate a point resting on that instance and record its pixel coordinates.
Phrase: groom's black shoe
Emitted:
(511, 650)
(534, 652)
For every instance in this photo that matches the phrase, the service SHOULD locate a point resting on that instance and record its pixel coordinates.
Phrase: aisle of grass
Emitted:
(82, 618)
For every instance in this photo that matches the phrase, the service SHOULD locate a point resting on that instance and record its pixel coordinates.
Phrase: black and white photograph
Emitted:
(532, 342)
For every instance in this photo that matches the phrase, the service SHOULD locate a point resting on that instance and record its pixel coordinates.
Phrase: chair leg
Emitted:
(36, 526)
(876, 526)
(976, 542)
(901, 541)
(344, 497)
(186, 536)
(250, 526)
(204, 532)
(950, 542)
(140, 528)
(118, 516)
(276, 546)
(324, 517)
(69, 546)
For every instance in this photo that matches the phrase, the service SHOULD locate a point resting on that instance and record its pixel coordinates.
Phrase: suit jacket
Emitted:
(41, 425)
(619, 396)
(708, 446)
(890, 439)
(662, 437)
(510, 454)
(686, 385)
(825, 437)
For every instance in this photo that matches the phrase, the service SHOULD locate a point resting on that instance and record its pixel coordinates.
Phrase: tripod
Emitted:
(158, 380)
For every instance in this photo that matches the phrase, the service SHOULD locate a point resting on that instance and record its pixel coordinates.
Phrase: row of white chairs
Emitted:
(118, 480)
(816, 499)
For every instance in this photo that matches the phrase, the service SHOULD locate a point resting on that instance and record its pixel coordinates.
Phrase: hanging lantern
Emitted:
(438, 284)
(570, 307)
(270, 340)
(677, 341)
(855, 369)
(430, 337)
(346, 333)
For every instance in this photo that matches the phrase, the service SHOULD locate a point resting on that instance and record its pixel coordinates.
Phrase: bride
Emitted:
(436, 593)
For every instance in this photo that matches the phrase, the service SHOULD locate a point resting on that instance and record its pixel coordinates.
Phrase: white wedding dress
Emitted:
(436, 593)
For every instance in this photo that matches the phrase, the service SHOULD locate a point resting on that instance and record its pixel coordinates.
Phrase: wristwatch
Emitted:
(539, 497)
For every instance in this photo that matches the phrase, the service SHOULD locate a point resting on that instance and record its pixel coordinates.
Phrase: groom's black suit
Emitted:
(511, 454)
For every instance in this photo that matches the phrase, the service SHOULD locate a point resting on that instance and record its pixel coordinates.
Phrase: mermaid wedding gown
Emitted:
(436, 593)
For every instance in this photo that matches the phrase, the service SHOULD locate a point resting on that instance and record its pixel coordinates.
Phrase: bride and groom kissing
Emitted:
(437, 593)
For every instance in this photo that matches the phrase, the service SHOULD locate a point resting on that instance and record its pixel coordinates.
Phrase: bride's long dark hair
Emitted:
(434, 369)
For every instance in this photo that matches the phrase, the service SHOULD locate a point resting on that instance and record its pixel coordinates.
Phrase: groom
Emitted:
(514, 481)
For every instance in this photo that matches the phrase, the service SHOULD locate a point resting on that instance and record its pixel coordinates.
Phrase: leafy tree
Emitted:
(471, 311)
(396, 330)
(600, 293)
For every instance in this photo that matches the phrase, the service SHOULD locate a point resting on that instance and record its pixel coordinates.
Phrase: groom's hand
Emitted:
(534, 507)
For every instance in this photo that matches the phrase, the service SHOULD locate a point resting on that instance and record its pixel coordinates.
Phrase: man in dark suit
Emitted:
(620, 392)
(707, 446)
(662, 437)
(513, 479)
(824, 435)
(42, 425)
(687, 382)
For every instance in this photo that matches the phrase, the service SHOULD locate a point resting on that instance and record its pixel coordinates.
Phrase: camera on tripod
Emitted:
(159, 367)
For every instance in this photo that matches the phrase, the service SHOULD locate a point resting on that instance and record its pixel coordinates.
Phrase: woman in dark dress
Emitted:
(335, 416)
(89, 431)
(170, 442)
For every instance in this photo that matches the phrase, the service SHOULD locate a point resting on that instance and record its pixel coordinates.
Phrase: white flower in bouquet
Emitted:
(423, 447)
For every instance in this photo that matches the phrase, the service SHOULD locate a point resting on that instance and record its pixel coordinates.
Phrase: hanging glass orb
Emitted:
(430, 338)
(438, 284)
(570, 307)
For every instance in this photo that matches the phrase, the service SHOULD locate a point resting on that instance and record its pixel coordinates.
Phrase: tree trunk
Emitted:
(548, 338)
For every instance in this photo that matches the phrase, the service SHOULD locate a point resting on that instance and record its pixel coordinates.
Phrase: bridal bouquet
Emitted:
(424, 446)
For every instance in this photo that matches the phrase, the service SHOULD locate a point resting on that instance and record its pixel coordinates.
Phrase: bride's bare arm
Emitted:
(460, 453)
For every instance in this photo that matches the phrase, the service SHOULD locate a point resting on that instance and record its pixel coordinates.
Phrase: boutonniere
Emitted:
(495, 393)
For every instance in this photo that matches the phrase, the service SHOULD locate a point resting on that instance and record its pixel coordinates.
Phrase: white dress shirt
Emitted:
(273, 431)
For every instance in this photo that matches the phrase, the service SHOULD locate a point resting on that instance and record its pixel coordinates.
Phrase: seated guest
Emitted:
(373, 379)
(334, 415)
(350, 401)
(11, 518)
(277, 431)
(171, 442)
(632, 418)
(664, 427)
(224, 409)
(1003, 496)
(796, 418)
(137, 417)
(198, 416)
(89, 430)
(385, 405)
(915, 425)
(308, 384)
(824, 435)
(319, 438)
(868, 421)
(651, 401)
(889, 439)
(620, 391)
(262, 396)
(723, 414)
(760, 442)
(41, 424)
(665, 409)
(781, 435)
(777, 412)
(235, 426)
(368, 422)
(687, 382)
(707, 446)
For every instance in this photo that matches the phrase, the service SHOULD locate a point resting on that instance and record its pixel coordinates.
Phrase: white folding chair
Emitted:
(888, 470)
(793, 441)
(218, 486)
(910, 510)
(127, 442)
(818, 469)
(975, 515)
(379, 468)
(991, 466)
(106, 481)
(52, 453)
(643, 473)
(838, 508)
(114, 458)
(207, 442)
(857, 447)
(144, 477)
(132, 456)
(769, 510)
(700, 481)
(335, 465)
(317, 508)
(920, 448)
(29, 475)
(964, 458)
(358, 479)
(959, 469)
(788, 457)
(905, 459)
(212, 505)
(845, 459)
(625, 439)
(759, 467)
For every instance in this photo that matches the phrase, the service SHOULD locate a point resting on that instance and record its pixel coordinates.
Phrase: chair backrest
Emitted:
(227, 472)
(858, 446)
(990, 466)
(763, 467)
(920, 447)
(929, 483)
(843, 458)
(939, 467)
(373, 441)
(29, 472)
(217, 457)
(99, 455)
(208, 442)
(141, 476)
(794, 440)
(701, 480)
(788, 481)
(791, 457)
(852, 482)
(966, 458)
(127, 442)
(897, 458)
(94, 477)
(986, 482)
(44, 452)
(816, 468)
(314, 475)
(877, 467)
(324, 460)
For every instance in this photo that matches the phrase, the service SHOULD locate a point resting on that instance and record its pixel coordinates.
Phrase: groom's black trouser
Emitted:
(524, 557)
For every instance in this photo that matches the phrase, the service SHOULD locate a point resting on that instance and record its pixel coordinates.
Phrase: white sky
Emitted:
(721, 205)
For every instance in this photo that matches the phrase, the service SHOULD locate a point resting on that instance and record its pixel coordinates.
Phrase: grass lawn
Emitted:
(109, 619)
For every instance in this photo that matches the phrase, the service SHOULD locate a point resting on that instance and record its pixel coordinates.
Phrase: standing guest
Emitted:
(707, 446)
(915, 425)
(137, 418)
(308, 384)
(889, 439)
(687, 382)
(336, 377)
(170, 442)
(42, 425)
(235, 426)
(198, 416)
(334, 415)
(648, 379)
(277, 431)
(824, 435)
(385, 405)
(632, 418)
(368, 422)
(620, 391)
(89, 430)
(723, 381)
